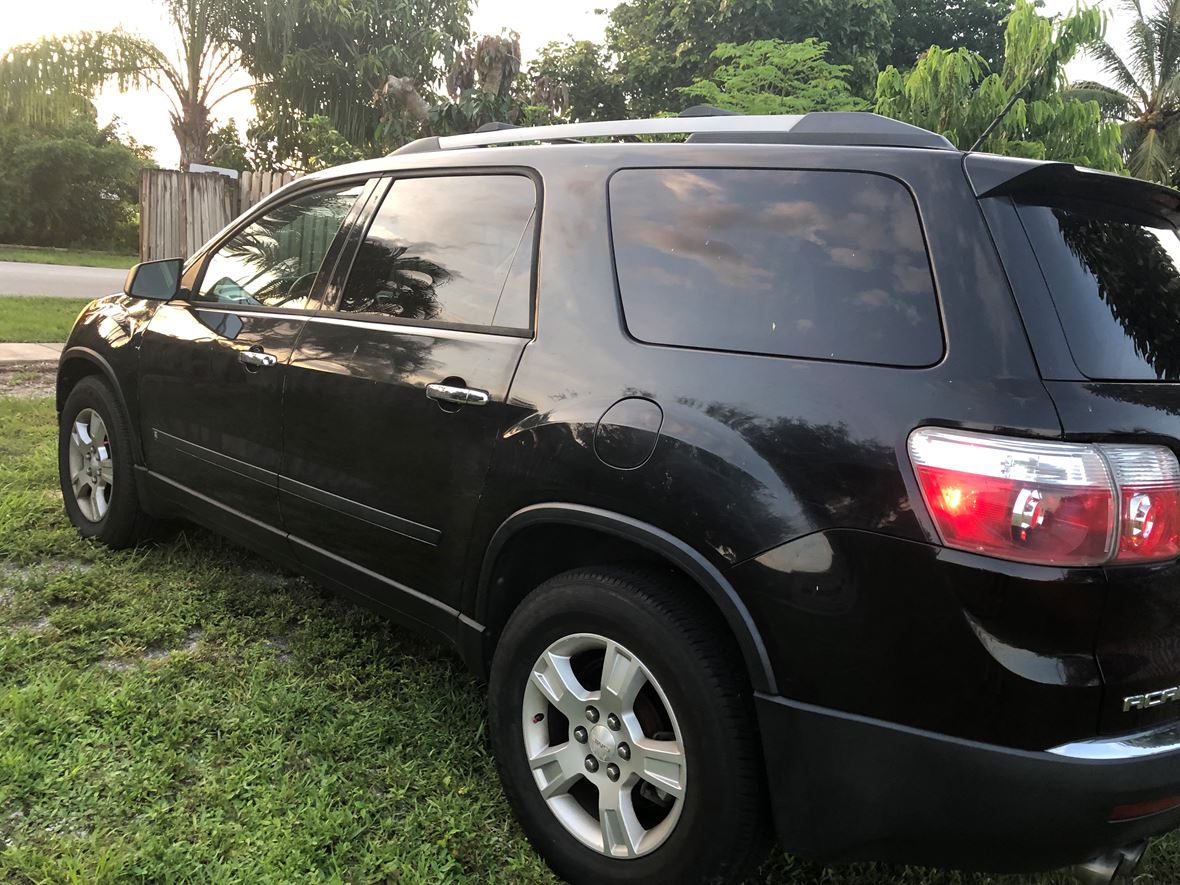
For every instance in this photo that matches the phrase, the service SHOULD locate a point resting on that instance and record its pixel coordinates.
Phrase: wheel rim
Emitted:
(92, 468)
(605, 727)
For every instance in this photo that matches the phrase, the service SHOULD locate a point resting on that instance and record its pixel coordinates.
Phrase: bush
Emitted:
(71, 184)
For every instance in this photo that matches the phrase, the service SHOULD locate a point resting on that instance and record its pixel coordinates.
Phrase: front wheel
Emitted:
(623, 732)
(95, 466)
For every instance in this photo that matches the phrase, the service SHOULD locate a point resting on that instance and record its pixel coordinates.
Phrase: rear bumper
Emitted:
(849, 788)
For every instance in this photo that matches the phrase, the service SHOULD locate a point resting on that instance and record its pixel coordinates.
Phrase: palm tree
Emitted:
(1145, 95)
(42, 81)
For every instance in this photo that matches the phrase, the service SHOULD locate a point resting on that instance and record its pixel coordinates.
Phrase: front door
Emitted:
(212, 365)
(396, 392)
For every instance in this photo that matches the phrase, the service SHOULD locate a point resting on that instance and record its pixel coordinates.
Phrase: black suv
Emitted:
(805, 470)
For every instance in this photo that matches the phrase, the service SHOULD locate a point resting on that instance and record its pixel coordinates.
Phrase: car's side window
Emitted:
(274, 260)
(454, 250)
(813, 264)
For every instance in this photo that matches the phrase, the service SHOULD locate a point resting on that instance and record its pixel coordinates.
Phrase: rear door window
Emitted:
(1114, 281)
(804, 263)
(452, 251)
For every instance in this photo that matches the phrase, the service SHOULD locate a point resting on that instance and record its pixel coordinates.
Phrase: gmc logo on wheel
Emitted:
(1151, 699)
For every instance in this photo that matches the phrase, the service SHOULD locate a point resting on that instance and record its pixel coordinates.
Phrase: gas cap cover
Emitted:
(627, 433)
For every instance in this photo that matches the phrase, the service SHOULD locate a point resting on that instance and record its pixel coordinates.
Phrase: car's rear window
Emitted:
(1116, 287)
(803, 263)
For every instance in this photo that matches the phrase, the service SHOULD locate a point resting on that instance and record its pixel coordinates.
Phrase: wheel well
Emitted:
(538, 552)
(71, 372)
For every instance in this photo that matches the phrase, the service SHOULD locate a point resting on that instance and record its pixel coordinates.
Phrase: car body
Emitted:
(914, 702)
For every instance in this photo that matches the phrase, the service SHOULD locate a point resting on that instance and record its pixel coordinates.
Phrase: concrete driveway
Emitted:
(59, 281)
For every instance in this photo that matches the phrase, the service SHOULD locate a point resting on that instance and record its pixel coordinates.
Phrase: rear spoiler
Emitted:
(995, 176)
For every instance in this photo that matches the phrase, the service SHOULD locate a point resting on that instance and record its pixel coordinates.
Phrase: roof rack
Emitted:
(820, 127)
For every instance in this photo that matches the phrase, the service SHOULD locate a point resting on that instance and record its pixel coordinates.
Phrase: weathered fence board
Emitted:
(180, 211)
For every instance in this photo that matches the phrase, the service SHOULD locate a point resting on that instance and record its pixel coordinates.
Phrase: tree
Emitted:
(574, 82)
(1146, 91)
(772, 77)
(335, 59)
(303, 144)
(662, 45)
(70, 183)
(977, 25)
(41, 81)
(1021, 109)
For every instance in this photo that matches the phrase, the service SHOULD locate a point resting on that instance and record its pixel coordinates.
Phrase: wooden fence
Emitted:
(180, 211)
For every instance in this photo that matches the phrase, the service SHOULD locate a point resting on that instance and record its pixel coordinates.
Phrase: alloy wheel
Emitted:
(92, 468)
(604, 745)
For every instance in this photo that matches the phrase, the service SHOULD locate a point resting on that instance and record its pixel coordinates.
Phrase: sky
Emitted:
(145, 114)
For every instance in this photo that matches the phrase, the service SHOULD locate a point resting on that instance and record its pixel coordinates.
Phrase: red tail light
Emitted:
(1049, 502)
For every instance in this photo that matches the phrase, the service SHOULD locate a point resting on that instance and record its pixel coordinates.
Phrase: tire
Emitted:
(648, 630)
(106, 506)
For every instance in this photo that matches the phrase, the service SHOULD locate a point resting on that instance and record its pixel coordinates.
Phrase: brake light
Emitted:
(1049, 502)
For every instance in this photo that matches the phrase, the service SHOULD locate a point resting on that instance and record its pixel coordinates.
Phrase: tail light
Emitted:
(1049, 502)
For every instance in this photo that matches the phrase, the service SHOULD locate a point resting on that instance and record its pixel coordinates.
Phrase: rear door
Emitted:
(213, 365)
(396, 391)
(1095, 266)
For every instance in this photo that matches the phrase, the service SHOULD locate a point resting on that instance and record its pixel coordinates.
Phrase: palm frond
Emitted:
(1113, 103)
(1150, 159)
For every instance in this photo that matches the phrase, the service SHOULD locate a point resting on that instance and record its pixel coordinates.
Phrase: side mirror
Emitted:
(158, 280)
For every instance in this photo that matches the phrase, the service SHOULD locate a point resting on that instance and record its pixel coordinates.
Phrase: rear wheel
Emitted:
(623, 732)
(95, 466)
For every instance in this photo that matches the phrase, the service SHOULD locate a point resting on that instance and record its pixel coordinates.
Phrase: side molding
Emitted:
(676, 551)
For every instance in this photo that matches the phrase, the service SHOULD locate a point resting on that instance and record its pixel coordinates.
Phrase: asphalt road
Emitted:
(59, 281)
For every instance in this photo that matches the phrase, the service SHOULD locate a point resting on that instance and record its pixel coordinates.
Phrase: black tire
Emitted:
(124, 522)
(722, 830)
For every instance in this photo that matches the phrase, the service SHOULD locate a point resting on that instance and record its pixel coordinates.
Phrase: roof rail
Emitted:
(825, 127)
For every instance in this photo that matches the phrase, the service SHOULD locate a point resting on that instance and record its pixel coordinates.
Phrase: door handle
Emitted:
(257, 358)
(463, 396)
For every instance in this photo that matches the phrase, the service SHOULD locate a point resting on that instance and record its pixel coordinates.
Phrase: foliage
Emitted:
(1146, 91)
(950, 91)
(301, 145)
(574, 82)
(226, 148)
(43, 81)
(481, 86)
(977, 25)
(772, 77)
(335, 59)
(662, 45)
(70, 183)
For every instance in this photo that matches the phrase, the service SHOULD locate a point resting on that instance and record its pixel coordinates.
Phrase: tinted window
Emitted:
(830, 265)
(1116, 287)
(274, 260)
(455, 250)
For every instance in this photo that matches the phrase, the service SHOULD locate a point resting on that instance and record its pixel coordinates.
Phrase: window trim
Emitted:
(315, 296)
(631, 336)
(342, 273)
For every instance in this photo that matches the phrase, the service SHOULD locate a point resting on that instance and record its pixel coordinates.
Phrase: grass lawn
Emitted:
(78, 257)
(187, 712)
(36, 318)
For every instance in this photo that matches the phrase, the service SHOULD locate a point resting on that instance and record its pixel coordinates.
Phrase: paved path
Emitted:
(59, 280)
(29, 353)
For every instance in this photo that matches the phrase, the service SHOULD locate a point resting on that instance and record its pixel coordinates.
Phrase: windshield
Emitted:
(1115, 283)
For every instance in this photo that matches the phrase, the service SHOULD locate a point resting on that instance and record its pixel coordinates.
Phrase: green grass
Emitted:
(185, 712)
(37, 318)
(78, 257)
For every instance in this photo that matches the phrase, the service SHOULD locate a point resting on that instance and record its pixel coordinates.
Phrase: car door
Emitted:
(396, 390)
(212, 363)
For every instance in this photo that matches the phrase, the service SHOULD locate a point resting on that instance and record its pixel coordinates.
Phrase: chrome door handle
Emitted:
(464, 396)
(257, 358)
